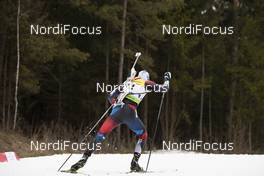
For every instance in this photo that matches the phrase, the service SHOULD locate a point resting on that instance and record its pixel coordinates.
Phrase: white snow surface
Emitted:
(161, 164)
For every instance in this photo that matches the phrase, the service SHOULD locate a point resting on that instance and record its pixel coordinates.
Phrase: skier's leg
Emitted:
(136, 125)
(108, 125)
(141, 142)
(138, 149)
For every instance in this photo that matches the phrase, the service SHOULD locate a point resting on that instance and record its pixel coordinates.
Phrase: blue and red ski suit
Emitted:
(126, 113)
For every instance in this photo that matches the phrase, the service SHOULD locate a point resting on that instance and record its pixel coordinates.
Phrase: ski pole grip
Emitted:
(138, 54)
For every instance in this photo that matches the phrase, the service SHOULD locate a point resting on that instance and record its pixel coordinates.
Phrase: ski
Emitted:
(91, 130)
(130, 172)
(150, 171)
(69, 171)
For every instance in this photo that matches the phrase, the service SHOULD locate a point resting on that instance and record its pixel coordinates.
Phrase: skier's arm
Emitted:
(152, 86)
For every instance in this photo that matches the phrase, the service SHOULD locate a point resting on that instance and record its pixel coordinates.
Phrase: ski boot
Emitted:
(134, 164)
(80, 163)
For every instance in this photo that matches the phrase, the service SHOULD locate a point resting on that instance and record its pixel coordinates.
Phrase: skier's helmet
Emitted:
(143, 75)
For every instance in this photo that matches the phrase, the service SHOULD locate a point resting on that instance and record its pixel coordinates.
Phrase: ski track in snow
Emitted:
(161, 164)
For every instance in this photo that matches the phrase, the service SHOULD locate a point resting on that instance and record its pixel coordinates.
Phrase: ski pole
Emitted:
(95, 125)
(121, 97)
(138, 54)
(132, 76)
(156, 128)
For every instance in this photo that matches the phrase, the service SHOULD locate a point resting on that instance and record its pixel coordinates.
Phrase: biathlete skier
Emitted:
(126, 113)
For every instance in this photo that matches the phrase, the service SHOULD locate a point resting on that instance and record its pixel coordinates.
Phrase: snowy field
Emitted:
(162, 164)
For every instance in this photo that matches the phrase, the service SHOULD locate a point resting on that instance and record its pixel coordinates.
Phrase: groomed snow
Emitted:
(162, 164)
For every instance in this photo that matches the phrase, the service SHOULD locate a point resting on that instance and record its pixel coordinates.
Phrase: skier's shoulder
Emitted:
(149, 82)
(138, 81)
(142, 82)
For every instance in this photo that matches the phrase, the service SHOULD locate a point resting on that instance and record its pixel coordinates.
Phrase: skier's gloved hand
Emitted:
(166, 84)
(112, 97)
(133, 72)
(113, 101)
(167, 76)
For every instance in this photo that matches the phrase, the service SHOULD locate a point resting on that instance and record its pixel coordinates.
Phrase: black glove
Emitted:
(167, 76)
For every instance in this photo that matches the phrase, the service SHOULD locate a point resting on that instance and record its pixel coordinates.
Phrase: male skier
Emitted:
(125, 112)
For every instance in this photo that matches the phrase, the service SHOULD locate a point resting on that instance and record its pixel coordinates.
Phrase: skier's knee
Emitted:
(143, 136)
(99, 137)
(141, 141)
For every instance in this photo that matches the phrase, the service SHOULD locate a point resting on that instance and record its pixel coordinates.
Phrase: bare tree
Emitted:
(210, 113)
(18, 64)
(107, 55)
(4, 92)
(122, 47)
(234, 61)
(121, 60)
(202, 95)
(3, 37)
(9, 95)
(250, 136)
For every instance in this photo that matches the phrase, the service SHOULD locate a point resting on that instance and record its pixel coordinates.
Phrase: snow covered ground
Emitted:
(162, 164)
